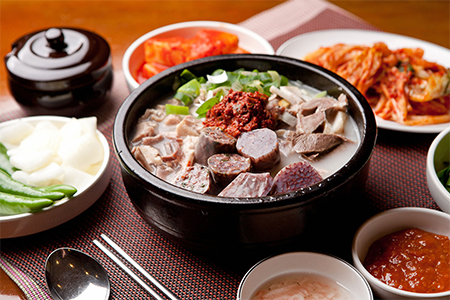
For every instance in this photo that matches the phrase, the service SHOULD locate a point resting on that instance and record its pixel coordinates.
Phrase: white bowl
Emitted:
(438, 153)
(391, 221)
(332, 267)
(134, 55)
(66, 209)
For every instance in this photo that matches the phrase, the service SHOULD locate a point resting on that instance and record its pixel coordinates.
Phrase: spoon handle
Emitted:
(139, 268)
(127, 270)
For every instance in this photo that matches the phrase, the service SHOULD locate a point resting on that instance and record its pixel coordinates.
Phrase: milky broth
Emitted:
(325, 164)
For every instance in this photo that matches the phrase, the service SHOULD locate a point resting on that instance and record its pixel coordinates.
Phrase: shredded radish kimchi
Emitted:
(399, 84)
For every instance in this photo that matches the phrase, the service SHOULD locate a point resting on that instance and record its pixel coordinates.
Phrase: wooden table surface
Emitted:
(121, 22)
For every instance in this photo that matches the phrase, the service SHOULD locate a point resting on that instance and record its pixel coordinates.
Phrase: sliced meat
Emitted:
(195, 178)
(261, 146)
(225, 167)
(294, 177)
(143, 129)
(156, 115)
(213, 140)
(152, 140)
(172, 120)
(189, 126)
(248, 185)
(188, 151)
(315, 115)
(316, 143)
(170, 151)
(147, 156)
(311, 123)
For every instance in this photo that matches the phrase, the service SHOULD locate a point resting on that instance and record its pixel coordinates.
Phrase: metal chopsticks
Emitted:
(136, 265)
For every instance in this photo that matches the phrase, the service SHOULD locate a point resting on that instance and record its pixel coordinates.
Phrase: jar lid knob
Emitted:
(55, 39)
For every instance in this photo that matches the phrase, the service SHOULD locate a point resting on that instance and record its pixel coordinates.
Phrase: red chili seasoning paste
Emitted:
(412, 260)
(241, 112)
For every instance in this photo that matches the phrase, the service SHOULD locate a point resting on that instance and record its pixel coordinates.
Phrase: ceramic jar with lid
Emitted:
(60, 71)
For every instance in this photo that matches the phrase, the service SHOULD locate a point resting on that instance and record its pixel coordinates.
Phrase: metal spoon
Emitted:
(73, 275)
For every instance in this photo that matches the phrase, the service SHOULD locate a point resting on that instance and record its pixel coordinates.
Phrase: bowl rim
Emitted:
(340, 177)
(130, 50)
(306, 254)
(97, 177)
(375, 281)
(431, 169)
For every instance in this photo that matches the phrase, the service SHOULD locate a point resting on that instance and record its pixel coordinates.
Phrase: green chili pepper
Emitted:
(11, 186)
(5, 164)
(15, 204)
(68, 190)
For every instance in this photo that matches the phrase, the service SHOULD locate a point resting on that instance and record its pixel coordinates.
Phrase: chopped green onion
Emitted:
(187, 75)
(177, 109)
(275, 78)
(321, 94)
(237, 86)
(188, 92)
(219, 78)
(208, 104)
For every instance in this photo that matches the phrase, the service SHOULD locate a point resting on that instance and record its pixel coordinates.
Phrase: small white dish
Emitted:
(134, 55)
(388, 222)
(303, 44)
(64, 210)
(334, 268)
(438, 155)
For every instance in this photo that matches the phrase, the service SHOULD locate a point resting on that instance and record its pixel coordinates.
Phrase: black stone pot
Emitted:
(210, 223)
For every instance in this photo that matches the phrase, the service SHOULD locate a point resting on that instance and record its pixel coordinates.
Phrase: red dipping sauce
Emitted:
(411, 260)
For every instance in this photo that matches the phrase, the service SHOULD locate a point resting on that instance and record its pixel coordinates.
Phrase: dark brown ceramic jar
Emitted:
(60, 71)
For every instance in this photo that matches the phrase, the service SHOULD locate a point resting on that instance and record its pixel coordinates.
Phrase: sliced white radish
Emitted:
(20, 176)
(30, 161)
(49, 175)
(15, 132)
(44, 136)
(81, 152)
(77, 178)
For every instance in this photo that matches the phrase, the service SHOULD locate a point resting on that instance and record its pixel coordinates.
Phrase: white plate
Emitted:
(301, 45)
(66, 209)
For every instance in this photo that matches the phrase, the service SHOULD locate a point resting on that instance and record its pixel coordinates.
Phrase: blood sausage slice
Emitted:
(195, 178)
(213, 140)
(249, 185)
(261, 146)
(294, 177)
(225, 167)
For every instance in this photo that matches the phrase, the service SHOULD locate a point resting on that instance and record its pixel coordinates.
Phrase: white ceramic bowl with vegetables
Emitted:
(47, 152)
(438, 170)
(303, 274)
(135, 56)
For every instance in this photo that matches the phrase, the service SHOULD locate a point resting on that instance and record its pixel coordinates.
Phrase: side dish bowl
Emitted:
(63, 210)
(311, 263)
(388, 222)
(134, 55)
(438, 158)
(207, 222)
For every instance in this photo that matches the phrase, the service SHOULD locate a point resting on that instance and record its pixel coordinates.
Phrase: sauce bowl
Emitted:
(206, 222)
(391, 221)
(308, 263)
